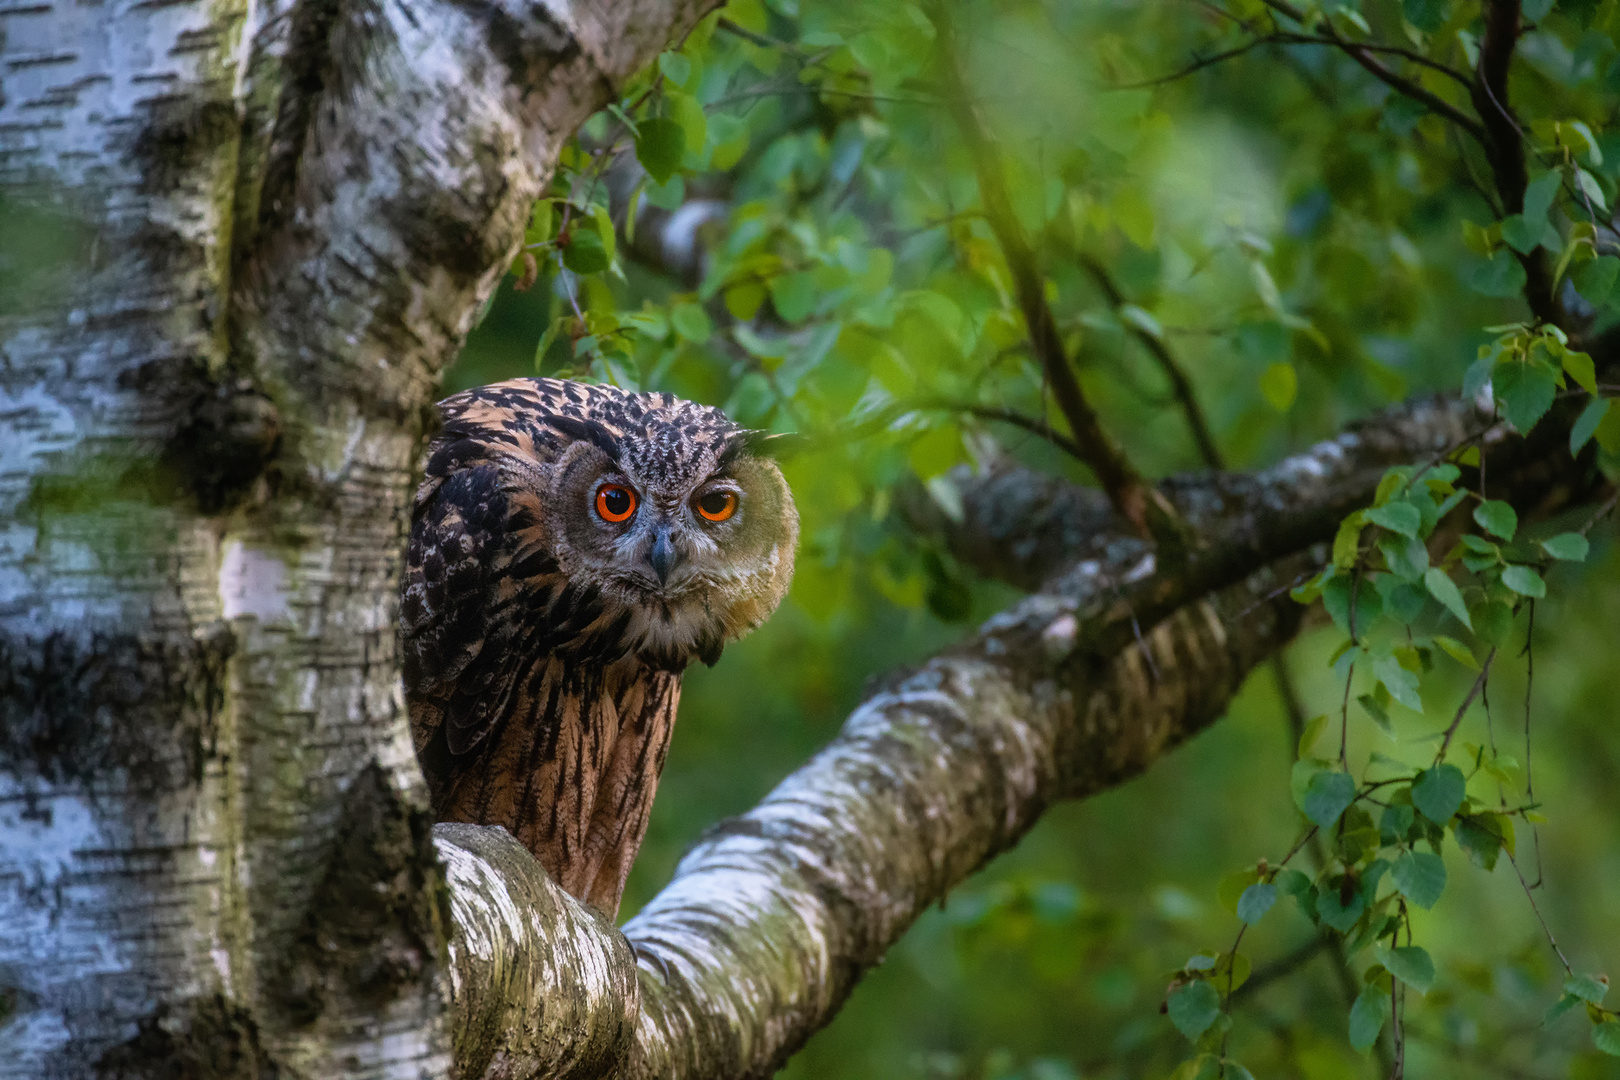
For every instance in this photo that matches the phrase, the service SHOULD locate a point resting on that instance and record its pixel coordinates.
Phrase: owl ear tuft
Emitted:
(762, 444)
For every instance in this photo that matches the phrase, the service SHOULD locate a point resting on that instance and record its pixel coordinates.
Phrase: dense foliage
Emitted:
(895, 231)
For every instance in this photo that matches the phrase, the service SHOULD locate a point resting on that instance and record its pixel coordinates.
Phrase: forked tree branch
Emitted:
(1180, 386)
(1118, 477)
(773, 917)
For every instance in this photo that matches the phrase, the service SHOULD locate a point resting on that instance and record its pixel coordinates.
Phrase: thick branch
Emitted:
(773, 917)
(1504, 145)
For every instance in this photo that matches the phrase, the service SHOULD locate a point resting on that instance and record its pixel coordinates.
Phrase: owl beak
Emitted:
(663, 556)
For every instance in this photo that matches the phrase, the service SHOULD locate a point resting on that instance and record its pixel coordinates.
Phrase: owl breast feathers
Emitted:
(573, 548)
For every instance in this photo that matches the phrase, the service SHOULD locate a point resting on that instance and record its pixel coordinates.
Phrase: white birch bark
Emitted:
(279, 217)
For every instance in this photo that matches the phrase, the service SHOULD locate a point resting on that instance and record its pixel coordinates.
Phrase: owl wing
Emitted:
(483, 597)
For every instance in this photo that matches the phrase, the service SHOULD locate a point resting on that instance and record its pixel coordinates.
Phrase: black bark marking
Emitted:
(206, 1038)
(378, 922)
(71, 708)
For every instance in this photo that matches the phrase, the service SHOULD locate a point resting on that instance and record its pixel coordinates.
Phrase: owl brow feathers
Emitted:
(591, 431)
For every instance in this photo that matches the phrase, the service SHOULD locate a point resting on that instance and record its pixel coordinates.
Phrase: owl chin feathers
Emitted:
(693, 617)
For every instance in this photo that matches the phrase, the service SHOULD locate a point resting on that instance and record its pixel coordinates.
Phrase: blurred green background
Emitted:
(1298, 237)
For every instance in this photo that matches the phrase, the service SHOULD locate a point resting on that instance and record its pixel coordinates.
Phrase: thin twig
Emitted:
(1198, 64)
(1156, 347)
(1364, 55)
(1545, 929)
(1019, 420)
(1479, 684)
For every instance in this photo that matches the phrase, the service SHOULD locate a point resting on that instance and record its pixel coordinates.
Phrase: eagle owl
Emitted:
(573, 548)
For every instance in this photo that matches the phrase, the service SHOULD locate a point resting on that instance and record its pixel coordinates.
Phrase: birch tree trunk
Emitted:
(280, 217)
(216, 858)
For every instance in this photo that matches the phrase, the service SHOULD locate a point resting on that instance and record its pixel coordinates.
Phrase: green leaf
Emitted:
(691, 322)
(1582, 370)
(1379, 714)
(1567, 547)
(1312, 732)
(1443, 589)
(1202, 1067)
(1540, 194)
(1524, 581)
(604, 231)
(1525, 390)
(1426, 15)
(1589, 988)
(1194, 1007)
(1493, 621)
(793, 295)
(1500, 275)
(1396, 822)
(675, 67)
(1558, 1008)
(660, 147)
(1421, 877)
(585, 253)
(539, 228)
(1367, 1017)
(1231, 887)
(1438, 792)
(1586, 424)
(1256, 900)
(1401, 683)
(1410, 963)
(1606, 1037)
(1497, 518)
(1292, 882)
(1397, 517)
(1588, 185)
(1327, 797)
(1523, 233)
(1457, 651)
(1279, 385)
(1346, 541)
(1337, 914)
(686, 111)
(1336, 600)
(1483, 843)
(1595, 280)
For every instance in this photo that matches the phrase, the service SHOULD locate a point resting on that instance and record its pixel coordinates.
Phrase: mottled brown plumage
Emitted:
(544, 637)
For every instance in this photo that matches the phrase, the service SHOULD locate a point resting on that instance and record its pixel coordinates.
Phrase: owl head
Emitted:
(669, 518)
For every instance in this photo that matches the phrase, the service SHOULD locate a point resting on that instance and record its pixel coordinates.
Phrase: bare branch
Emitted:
(1367, 58)
(1172, 369)
(1134, 500)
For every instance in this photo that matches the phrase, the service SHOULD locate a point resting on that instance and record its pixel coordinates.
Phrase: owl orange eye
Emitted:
(717, 505)
(615, 502)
